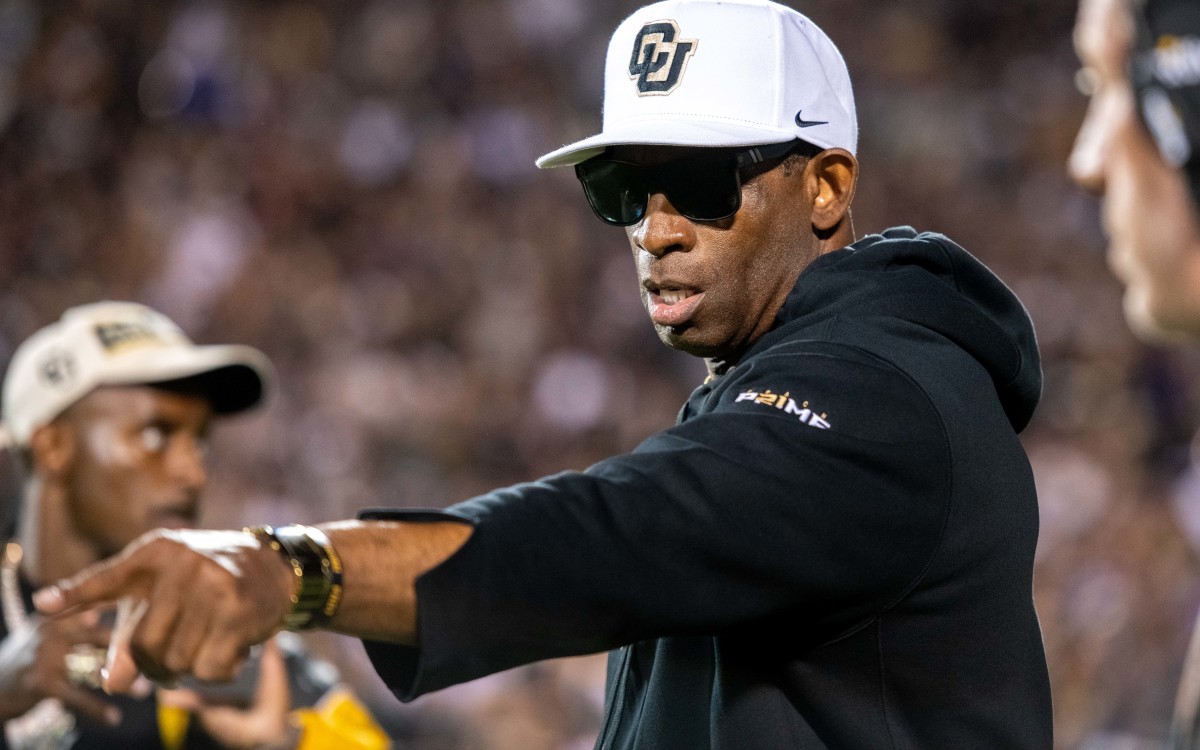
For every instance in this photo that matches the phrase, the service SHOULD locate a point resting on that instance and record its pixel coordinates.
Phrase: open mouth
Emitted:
(673, 296)
(672, 306)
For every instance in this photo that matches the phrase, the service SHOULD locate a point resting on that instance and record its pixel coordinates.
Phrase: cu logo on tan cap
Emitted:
(58, 369)
(658, 59)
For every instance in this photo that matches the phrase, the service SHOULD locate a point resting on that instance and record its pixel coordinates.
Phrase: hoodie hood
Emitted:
(928, 280)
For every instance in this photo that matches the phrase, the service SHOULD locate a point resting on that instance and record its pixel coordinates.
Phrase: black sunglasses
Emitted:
(704, 187)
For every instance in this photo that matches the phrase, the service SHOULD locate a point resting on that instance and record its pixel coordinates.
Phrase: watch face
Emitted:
(318, 567)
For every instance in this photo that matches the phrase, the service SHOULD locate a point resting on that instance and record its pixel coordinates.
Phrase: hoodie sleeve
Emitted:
(813, 485)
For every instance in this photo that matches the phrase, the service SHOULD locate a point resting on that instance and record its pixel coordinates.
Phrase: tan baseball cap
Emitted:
(120, 343)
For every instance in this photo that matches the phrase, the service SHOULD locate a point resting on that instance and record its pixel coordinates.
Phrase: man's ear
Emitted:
(834, 175)
(52, 449)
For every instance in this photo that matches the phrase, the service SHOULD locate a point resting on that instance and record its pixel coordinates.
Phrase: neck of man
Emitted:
(52, 548)
(838, 237)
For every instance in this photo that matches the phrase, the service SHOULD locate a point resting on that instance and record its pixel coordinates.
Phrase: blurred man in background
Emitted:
(107, 413)
(1137, 148)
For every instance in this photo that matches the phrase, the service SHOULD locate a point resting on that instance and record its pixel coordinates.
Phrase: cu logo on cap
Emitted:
(58, 369)
(658, 59)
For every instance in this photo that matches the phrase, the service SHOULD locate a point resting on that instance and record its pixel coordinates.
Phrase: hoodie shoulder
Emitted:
(933, 285)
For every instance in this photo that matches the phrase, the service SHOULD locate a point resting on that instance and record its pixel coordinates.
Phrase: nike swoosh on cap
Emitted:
(801, 122)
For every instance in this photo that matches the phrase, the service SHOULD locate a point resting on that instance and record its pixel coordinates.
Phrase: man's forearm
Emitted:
(234, 589)
(381, 562)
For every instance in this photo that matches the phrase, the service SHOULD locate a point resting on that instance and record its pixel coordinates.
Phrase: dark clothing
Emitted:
(832, 548)
(139, 727)
(139, 717)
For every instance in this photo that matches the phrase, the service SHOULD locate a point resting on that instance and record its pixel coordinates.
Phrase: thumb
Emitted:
(272, 694)
(121, 671)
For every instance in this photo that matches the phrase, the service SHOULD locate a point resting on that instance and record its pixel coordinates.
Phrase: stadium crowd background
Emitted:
(350, 187)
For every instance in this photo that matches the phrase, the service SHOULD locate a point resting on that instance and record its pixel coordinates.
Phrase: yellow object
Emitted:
(339, 722)
(172, 726)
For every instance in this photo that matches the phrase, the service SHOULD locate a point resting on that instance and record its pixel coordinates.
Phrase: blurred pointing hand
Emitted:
(193, 603)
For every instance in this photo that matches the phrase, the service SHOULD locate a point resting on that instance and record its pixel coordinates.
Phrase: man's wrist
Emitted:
(317, 568)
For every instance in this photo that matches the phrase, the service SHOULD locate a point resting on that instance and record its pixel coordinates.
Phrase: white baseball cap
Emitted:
(720, 73)
(120, 343)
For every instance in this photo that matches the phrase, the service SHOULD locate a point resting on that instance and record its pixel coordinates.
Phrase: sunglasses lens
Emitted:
(702, 189)
(617, 191)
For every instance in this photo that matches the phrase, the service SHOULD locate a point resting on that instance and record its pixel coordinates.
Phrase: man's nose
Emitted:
(663, 229)
(187, 462)
(1090, 154)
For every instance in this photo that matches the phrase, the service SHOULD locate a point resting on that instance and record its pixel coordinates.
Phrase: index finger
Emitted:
(102, 583)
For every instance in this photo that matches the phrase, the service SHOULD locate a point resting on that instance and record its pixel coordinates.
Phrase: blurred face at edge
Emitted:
(1147, 210)
(133, 461)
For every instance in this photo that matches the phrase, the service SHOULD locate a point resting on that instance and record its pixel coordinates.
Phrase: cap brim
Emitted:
(664, 132)
(232, 378)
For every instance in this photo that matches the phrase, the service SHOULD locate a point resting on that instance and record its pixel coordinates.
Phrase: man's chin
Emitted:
(684, 338)
(175, 522)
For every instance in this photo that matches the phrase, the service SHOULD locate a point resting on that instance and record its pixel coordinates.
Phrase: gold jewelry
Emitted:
(48, 724)
(317, 566)
(84, 663)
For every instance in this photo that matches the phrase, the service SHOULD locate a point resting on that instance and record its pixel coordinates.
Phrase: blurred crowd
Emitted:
(350, 187)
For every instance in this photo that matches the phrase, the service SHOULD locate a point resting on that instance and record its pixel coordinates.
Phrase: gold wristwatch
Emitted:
(317, 566)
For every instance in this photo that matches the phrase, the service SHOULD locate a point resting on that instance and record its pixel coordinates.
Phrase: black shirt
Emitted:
(832, 548)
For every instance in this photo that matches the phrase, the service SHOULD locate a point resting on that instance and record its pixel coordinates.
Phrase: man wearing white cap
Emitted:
(107, 412)
(833, 546)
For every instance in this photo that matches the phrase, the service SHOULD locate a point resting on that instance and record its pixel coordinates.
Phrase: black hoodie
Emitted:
(832, 548)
